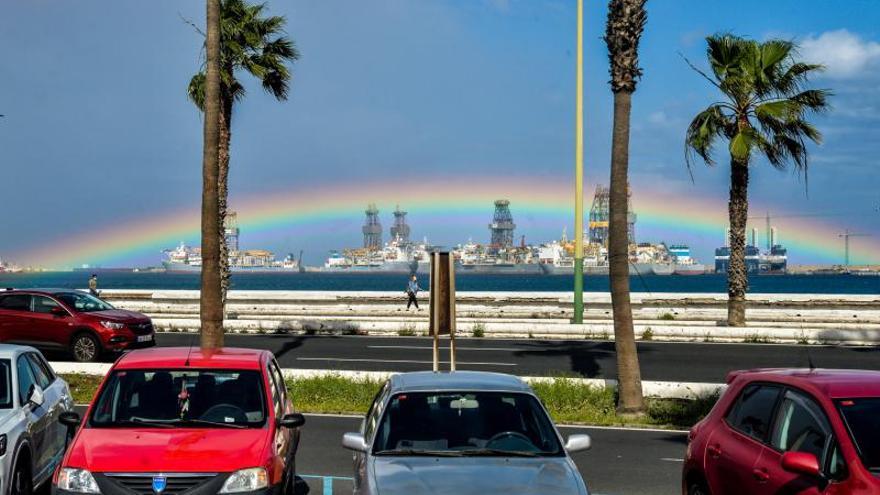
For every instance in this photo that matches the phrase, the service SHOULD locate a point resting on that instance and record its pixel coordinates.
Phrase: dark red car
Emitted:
(175, 420)
(789, 431)
(71, 320)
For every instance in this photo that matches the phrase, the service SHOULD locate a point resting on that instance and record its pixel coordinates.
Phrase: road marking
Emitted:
(326, 481)
(428, 348)
(671, 459)
(403, 361)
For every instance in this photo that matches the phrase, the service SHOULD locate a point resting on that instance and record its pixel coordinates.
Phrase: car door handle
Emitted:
(761, 475)
(714, 451)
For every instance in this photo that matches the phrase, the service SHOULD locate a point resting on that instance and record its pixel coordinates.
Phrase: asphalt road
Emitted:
(664, 361)
(621, 462)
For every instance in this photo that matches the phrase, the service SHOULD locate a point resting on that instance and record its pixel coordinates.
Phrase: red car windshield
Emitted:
(5, 385)
(181, 398)
(861, 417)
(83, 303)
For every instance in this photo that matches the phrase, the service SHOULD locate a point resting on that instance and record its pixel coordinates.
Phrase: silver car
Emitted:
(32, 398)
(461, 433)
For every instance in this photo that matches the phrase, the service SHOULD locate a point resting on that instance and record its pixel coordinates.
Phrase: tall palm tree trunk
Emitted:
(223, 189)
(628, 374)
(737, 275)
(210, 301)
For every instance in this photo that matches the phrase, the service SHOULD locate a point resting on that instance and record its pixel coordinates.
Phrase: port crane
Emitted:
(846, 235)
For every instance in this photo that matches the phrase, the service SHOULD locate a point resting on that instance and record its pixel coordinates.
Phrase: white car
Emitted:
(32, 440)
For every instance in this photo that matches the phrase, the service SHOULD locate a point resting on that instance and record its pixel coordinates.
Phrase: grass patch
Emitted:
(756, 339)
(567, 400)
(408, 330)
(666, 317)
(648, 334)
(478, 330)
(333, 394)
(82, 386)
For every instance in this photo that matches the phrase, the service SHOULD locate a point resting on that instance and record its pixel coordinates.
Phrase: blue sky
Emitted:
(98, 130)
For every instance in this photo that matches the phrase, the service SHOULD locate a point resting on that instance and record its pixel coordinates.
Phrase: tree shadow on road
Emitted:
(586, 359)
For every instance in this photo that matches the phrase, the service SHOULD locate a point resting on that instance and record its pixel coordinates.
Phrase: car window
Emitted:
(42, 378)
(25, 378)
(466, 424)
(860, 415)
(282, 388)
(801, 426)
(43, 304)
(5, 384)
(83, 303)
(15, 302)
(753, 410)
(183, 398)
(273, 389)
(375, 412)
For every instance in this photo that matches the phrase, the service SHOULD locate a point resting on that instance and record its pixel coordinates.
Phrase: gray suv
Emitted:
(32, 440)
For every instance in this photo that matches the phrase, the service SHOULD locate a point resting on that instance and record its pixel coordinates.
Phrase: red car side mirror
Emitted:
(58, 311)
(801, 463)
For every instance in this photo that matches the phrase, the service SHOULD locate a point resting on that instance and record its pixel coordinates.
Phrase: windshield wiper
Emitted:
(498, 452)
(427, 453)
(210, 423)
(140, 422)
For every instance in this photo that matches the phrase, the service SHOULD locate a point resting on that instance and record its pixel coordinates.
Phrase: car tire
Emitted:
(697, 488)
(21, 479)
(85, 348)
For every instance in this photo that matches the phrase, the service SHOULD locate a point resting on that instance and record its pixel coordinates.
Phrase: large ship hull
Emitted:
(498, 268)
(634, 269)
(171, 267)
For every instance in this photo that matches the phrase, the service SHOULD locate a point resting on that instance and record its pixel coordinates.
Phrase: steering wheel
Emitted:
(510, 434)
(218, 413)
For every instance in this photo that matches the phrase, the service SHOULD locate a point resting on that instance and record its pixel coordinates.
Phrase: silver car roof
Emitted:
(456, 381)
(9, 351)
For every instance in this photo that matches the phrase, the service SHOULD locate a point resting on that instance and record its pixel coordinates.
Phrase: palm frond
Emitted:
(703, 132)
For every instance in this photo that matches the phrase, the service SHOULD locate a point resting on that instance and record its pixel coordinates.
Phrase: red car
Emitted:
(789, 431)
(70, 320)
(173, 420)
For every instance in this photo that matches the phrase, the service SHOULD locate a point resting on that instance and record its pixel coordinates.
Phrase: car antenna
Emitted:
(188, 352)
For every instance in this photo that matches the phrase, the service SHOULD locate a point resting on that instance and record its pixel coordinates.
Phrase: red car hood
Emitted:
(104, 450)
(120, 315)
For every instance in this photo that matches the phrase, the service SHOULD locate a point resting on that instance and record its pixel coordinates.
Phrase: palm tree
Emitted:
(623, 30)
(210, 301)
(763, 112)
(253, 43)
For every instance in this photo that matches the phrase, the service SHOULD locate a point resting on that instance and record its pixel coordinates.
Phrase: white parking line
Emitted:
(671, 459)
(428, 348)
(405, 361)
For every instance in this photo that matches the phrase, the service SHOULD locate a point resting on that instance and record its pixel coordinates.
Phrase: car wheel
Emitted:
(21, 481)
(697, 488)
(85, 348)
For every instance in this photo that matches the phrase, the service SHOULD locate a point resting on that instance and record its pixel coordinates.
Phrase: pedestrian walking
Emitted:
(93, 284)
(412, 289)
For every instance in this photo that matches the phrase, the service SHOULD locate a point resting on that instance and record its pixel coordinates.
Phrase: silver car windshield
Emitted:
(466, 424)
(165, 398)
(5, 385)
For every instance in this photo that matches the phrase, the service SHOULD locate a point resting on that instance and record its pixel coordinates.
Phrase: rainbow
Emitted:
(437, 201)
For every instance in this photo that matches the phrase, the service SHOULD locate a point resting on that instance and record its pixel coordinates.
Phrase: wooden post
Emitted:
(442, 304)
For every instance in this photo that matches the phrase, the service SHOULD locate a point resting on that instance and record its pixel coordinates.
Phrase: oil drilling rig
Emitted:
(372, 229)
(502, 226)
(400, 229)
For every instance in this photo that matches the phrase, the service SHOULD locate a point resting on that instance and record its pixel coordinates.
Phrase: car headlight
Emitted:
(77, 480)
(246, 480)
(112, 325)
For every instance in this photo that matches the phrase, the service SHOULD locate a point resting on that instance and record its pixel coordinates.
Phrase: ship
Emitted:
(683, 263)
(187, 259)
(772, 261)
(6, 267)
(472, 258)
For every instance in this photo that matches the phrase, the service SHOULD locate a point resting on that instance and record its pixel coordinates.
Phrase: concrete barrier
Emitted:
(784, 318)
